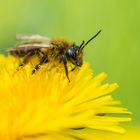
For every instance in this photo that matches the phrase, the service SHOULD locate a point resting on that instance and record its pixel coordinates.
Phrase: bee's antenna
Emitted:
(82, 46)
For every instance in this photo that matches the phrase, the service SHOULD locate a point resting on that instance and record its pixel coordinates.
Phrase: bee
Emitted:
(49, 50)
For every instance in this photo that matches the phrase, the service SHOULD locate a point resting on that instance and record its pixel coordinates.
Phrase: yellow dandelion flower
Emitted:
(132, 134)
(46, 106)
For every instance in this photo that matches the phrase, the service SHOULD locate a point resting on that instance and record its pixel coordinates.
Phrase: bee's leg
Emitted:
(64, 59)
(43, 60)
(26, 58)
(73, 68)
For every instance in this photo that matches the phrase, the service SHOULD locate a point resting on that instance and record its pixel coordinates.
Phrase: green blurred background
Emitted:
(116, 51)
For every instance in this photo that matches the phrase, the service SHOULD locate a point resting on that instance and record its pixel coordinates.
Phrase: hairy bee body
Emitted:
(49, 50)
(53, 50)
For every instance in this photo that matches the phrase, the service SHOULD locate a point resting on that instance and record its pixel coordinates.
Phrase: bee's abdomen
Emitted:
(18, 52)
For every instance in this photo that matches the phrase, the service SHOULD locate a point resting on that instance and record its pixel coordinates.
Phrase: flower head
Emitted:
(46, 106)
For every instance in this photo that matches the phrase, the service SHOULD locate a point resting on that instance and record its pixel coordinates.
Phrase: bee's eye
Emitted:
(74, 55)
(71, 52)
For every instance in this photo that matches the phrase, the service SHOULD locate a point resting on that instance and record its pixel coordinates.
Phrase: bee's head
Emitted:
(75, 53)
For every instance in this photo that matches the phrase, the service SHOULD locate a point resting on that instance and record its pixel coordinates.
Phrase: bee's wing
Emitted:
(31, 37)
(31, 46)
